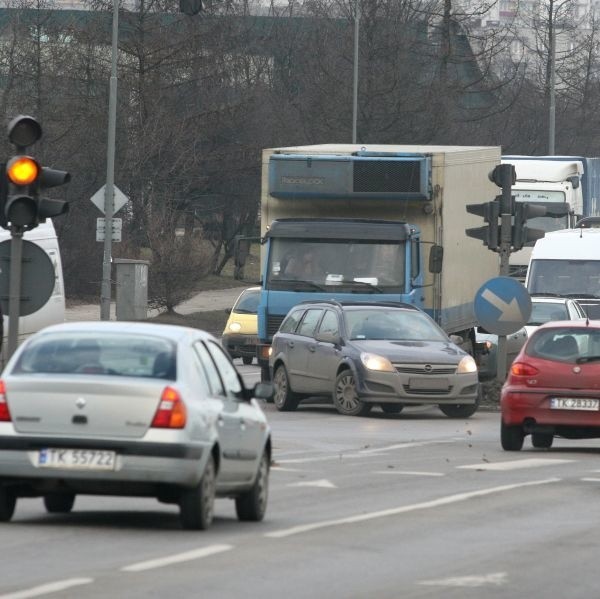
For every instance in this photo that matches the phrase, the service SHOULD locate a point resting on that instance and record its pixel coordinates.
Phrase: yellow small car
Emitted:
(240, 335)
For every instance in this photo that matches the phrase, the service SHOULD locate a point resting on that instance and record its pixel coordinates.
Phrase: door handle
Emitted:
(312, 348)
(290, 344)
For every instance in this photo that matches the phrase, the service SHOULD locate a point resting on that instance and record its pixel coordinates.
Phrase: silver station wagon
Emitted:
(136, 409)
(364, 354)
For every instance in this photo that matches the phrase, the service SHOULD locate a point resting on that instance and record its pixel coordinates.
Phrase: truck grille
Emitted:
(385, 176)
(273, 323)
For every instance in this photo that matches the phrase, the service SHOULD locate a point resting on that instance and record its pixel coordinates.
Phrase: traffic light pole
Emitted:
(506, 210)
(109, 194)
(14, 288)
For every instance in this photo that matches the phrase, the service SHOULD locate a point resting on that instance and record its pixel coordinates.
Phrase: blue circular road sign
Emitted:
(502, 305)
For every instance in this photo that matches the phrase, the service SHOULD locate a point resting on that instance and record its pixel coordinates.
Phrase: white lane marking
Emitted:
(497, 579)
(516, 464)
(282, 469)
(294, 530)
(591, 480)
(177, 558)
(365, 453)
(409, 472)
(323, 483)
(46, 589)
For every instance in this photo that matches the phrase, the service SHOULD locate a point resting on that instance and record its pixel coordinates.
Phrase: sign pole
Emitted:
(14, 292)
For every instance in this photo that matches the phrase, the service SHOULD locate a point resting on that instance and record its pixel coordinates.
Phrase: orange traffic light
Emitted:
(22, 170)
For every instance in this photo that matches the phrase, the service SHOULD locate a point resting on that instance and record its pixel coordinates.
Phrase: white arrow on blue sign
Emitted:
(502, 305)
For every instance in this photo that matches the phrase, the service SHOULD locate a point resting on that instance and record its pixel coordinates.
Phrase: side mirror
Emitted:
(263, 391)
(436, 258)
(456, 339)
(227, 310)
(328, 337)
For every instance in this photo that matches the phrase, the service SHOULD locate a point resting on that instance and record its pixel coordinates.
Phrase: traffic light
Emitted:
(490, 212)
(521, 233)
(23, 180)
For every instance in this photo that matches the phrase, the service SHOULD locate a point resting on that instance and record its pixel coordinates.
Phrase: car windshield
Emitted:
(248, 302)
(392, 324)
(542, 312)
(99, 354)
(565, 344)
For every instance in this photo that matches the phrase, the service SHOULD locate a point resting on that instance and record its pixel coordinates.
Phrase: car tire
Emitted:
(284, 398)
(252, 505)
(8, 502)
(196, 505)
(345, 398)
(542, 440)
(459, 410)
(392, 408)
(247, 360)
(59, 503)
(511, 437)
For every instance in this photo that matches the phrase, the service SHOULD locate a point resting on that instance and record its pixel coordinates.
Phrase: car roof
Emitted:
(358, 304)
(168, 331)
(570, 324)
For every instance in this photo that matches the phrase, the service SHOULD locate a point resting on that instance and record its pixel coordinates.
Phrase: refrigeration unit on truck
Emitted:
(375, 221)
(567, 263)
(574, 180)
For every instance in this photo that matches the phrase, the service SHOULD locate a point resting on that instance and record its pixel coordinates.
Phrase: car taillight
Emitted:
(523, 369)
(171, 412)
(4, 413)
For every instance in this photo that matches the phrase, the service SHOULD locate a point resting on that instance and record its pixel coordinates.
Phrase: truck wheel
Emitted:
(511, 437)
(392, 408)
(345, 398)
(284, 398)
(196, 505)
(252, 505)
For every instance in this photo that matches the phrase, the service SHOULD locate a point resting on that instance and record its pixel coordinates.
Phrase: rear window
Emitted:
(99, 354)
(565, 344)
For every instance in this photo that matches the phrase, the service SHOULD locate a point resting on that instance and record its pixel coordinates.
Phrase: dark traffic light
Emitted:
(490, 212)
(24, 180)
(521, 233)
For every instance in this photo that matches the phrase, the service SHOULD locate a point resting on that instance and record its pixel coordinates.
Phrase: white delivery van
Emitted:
(53, 311)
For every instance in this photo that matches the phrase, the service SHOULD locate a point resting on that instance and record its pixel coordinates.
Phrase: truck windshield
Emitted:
(573, 278)
(546, 223)
(341, 266)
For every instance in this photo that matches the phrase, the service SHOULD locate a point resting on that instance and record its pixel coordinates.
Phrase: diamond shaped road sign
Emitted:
(120, 199)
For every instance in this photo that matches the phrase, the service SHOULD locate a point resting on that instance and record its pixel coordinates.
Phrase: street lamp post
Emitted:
(355, 85)
(105, 295)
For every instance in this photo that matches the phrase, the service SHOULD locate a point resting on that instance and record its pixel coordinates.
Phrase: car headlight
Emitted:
(466, 365)
(375, 362)
(235, 327)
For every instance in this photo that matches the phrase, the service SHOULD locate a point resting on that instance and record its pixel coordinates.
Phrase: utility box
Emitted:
(132, 289)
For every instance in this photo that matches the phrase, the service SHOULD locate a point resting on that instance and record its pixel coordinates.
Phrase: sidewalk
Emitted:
(205, 301)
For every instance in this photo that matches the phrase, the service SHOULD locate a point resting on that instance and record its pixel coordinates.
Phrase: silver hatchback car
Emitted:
(136, 409)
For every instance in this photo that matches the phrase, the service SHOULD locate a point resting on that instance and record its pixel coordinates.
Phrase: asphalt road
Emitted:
(413, 505)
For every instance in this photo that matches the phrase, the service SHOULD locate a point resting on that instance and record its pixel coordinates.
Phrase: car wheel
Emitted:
(284, 398)
(345, 398)
(511, 437)
(252, 505)
(542, 440)
(59, 503)
(392, 408)
(247, 360)
(459, 410)
(196, 505)
(8, 502)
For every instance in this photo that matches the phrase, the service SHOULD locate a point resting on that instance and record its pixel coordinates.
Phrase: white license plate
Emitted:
(76, 459)
(427, 382)
(574, 403)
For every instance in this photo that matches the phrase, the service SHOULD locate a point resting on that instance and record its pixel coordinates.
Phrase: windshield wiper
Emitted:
(363, 284)
(586, 359)
(546, 293)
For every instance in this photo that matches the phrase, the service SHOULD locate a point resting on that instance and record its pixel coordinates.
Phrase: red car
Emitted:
(553, 387)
